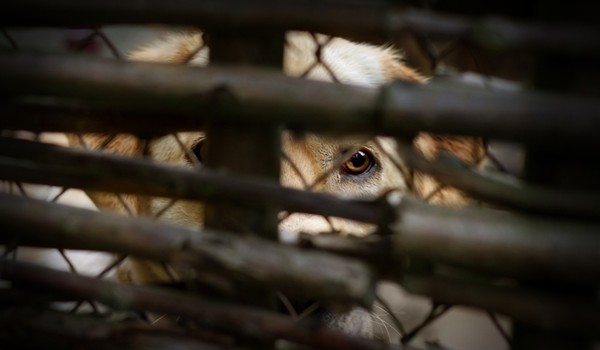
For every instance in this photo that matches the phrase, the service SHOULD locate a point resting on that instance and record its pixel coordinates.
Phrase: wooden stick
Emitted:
(534, 248)
(260, 96)
(235, 319)
(297, 272)
(529, 247)
(52, 165)
(505, 190)
(80, 117)
(365, 20)
(30, 327)
(531, 307)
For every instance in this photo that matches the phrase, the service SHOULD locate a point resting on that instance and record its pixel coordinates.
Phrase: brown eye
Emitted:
(199, 151)
(359, 163)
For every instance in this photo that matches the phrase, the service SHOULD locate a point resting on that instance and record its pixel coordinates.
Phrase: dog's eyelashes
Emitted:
(360, 162)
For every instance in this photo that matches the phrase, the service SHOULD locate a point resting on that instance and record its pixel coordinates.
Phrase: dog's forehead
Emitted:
(342, 141)
(297, 147)
(326, 144)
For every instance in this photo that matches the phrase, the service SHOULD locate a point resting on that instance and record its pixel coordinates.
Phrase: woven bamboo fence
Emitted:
(538, 231)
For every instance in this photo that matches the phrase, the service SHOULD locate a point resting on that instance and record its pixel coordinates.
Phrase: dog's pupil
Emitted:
(358, 159)
(197, 150)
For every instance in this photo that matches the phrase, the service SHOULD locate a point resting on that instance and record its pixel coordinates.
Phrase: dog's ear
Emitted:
(395, 69)
(123, 145)
(471, 150)
(174, 48)
(468, 149)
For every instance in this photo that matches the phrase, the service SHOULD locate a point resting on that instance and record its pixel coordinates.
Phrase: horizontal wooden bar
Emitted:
(63, 115)
(33, 162)
(66, 330)
(500, 243)
(236, 319)
(50, 225)
(237, 95)
(505, 190)
(377, 20)
(509, 244)
(533, 247)
(556, 313)
(280, 267)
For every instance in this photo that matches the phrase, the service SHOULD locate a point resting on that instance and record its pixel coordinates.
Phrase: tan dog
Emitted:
(367, 173)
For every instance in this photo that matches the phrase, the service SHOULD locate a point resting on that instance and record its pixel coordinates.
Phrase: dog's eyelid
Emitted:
(358, 148)
(198, 140)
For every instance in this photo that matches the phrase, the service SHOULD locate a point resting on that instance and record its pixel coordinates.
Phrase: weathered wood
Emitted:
(527, 247)
(75, 168)
(244, 257)
(245, 149)
(77, 228)
(267, 97)
(544, 310)
(236, 319)
(33, 162)
(505, 190)
(79, 117)
(534, 248)
(532, 117)
(362, 19)
(26, 328)
(248, 148)
(576, 244)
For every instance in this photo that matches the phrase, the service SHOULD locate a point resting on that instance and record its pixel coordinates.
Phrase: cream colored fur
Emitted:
(312, 155)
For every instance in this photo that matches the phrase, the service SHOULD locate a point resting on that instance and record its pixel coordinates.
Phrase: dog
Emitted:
(371, 167)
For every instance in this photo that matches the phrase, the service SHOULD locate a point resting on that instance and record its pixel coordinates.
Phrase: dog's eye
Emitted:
(198, 151)
(359, 163)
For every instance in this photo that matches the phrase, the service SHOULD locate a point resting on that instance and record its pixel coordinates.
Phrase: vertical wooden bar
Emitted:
(562, 165)
(247, 148)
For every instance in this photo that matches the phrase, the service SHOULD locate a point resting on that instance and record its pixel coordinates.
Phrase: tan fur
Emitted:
(468, 149)
(124, 145)
(312, 155)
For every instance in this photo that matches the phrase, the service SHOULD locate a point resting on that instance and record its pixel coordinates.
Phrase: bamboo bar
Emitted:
(66, 116)
(81, 229)
(362, 19)
(535, 248)
(530, 117)
(75, 168)
(505, 190)
(553, 313)
(241, 320)
(263, 96)
(74, 331)
(174, 89)
(249, 149)
(479, 239)
(33, 162)
(281, 267)
(507, 244)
